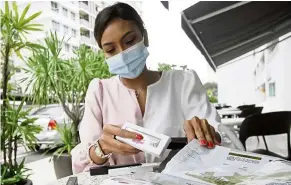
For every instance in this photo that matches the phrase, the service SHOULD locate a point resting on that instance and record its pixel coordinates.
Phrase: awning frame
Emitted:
(224, 31)
(199, 40)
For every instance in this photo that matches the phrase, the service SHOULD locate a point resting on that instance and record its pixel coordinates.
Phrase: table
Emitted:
(232, 121)
(227, 112)
(84, 178)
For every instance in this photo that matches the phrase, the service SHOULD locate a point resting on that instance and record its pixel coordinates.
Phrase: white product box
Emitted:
(152, 142)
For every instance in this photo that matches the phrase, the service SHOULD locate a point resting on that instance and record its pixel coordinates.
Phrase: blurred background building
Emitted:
(72, 20)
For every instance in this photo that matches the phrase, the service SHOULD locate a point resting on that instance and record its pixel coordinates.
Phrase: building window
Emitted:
(56, 26)
(74, 48)
(85, 33)
(272, 89)
(73, 15)
(74, 32)
(67, 47)
(85, 2)
(66, 29)
(54, 6)
(65, 12)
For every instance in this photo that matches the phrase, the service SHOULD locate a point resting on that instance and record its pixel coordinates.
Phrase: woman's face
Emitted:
(118, 36)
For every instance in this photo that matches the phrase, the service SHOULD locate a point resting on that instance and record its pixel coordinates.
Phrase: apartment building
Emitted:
(88, 11)
(262, 77)
(71, 20)
(87, 14)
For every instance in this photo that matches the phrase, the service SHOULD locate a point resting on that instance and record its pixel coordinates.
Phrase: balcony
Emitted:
(83, 5)
(84, 22)
(86, 39)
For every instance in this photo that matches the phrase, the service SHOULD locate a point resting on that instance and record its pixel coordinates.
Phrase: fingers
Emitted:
(217, 137)
(201, 129)
(196, 124)
(207, 133)
(116, 146)
(214, 135)
(189, 130)
(115, 130)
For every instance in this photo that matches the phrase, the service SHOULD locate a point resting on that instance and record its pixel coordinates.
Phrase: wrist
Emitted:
(103, 147)
(97, 155)
(94, 158)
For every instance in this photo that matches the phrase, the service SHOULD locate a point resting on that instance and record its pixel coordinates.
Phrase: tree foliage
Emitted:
(67, 80)
(168, 67)
(164, 67)
(16, 127)
(211, 89)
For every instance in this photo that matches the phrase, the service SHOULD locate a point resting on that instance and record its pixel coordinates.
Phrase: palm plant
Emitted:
(19, 129)
(15, 26)
(67, 80)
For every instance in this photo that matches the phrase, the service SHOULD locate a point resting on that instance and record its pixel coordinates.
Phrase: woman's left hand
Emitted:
(200, 129)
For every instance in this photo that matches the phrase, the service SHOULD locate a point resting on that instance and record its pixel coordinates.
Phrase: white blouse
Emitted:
(176, 97)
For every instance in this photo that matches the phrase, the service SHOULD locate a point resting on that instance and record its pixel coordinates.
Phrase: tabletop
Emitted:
(232, 121)
(85, 178)
(229, 112)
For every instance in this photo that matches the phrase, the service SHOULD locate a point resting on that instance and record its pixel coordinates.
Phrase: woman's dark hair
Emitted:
(118, 10)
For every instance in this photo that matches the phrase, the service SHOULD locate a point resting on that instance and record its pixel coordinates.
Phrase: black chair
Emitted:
(250, 111)
(241, 107)
(267, 124)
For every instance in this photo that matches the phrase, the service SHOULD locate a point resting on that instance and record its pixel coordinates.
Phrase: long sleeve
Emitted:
(90, 127)
(195, 101)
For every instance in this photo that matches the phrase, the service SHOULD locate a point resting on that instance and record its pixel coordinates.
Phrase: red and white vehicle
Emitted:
(49, 117)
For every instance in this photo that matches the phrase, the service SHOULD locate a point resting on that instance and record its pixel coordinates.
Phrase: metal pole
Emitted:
(212, 14)
(197, 37)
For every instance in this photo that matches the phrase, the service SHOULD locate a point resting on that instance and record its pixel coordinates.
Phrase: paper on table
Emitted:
(215, 166)
(197, 165)
(124, 180)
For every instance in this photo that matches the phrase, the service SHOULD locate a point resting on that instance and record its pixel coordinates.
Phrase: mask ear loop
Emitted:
(146, 39)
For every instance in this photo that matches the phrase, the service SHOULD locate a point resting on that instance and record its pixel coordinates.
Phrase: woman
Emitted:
(172, 103)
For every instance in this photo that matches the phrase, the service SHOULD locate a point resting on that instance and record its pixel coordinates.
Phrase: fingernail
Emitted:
(138, 137)
(203, 142)
(217, 143)
(210, 145)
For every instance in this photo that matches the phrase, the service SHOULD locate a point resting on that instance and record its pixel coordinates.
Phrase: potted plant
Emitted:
(16, 127)
(62, 156)
(67, 80)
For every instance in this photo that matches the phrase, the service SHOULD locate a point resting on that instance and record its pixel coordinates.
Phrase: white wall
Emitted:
(279, 68)
(238, 85)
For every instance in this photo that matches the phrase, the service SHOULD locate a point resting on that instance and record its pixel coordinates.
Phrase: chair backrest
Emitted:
(266, 124)
(250, 111)
(241, 107)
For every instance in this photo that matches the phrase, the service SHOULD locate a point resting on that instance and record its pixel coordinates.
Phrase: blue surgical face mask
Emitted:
(129, 63)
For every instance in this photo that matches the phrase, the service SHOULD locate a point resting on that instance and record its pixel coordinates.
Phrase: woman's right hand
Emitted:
(109, 144)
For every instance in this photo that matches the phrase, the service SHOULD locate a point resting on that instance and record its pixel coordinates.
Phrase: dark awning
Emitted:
(226, 30)
(165, 4)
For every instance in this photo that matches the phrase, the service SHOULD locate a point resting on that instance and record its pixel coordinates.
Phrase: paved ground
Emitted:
(42, 170)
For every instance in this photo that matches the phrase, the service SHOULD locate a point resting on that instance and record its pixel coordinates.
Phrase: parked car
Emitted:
(49, 117)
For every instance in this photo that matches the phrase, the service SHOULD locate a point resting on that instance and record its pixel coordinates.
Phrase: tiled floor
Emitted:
(42, 171)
